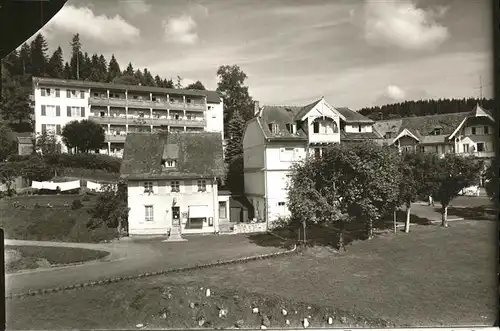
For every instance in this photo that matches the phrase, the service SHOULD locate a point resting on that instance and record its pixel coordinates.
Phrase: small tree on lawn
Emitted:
(111, 209)
(8, 173)
(452, 174)
(491, 182)
(46, 143)
(83, 135)
(366, 179)
(36, 169)
(415, 170)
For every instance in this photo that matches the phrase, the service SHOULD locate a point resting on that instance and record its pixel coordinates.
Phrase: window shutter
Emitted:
(68, 111)
(58, 110)
(43, 111)
(58, 129)
(42, 91)
(58, 93)
(68, 94)
(83, 111)
(44, 128)
(82, 94)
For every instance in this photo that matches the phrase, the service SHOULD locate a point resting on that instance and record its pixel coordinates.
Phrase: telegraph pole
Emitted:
(480, 88)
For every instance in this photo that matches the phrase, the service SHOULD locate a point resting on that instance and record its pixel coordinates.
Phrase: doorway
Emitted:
(176, 217)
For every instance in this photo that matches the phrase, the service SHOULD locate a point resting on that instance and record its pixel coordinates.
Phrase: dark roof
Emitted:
(306, 109)
(352, 116)
(199, 155)
(212, 96)
(421, 125)
(280, 115)
(358, 135)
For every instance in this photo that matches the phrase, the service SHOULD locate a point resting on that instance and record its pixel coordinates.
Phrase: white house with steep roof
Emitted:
(278, 136)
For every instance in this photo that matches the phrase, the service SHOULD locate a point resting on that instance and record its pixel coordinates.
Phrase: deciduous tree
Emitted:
(8, 144)
(491, 182)
(452, 174)
(46, 144)
(111, 209)
(84, 135)
(234, 93)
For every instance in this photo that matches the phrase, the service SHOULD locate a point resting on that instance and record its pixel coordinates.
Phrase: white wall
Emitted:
(63, 102)
(282, 156)
(253, 159)
(162, 201)
(215, 117)
(355, 128)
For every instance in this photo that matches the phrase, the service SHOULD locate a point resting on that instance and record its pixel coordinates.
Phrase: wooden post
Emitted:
(304, 225)
(395, 221)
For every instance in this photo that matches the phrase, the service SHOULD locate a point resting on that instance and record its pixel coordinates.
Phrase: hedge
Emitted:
(86, 161)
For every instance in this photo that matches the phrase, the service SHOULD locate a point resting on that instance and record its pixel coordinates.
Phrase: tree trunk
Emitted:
(341, 243)
(407, 223)
(369, 228)
(304, 225)
(444, 216)
(395, 219)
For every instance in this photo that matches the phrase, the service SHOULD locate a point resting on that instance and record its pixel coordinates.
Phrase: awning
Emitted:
(199, 212)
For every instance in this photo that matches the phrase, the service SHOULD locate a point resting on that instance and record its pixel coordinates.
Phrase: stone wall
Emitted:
(249, 227)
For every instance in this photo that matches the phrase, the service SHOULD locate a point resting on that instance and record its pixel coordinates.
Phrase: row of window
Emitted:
(71, 94)
(149, 212)
(141, 98)
(175, 186)
(51, 128)
(320, 127)
(55, 111)
(480, 147)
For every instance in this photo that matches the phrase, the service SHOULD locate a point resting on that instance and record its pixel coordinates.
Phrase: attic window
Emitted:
(274, 128)
(148, 187)
(291, 128)
(168, 163)
(437, 131)
(388, 135)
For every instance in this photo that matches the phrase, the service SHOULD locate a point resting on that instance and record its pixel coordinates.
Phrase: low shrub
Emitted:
(86, 161)
(76, 204)
(86, 198)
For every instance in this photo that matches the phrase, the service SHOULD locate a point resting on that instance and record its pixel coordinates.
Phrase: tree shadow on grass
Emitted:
(328, 236)
(480, 213)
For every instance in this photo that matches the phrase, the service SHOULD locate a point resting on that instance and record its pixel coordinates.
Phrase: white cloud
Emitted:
(82, 20)
(136, 7)
(395, 92)
(180, 29)
(404, 25)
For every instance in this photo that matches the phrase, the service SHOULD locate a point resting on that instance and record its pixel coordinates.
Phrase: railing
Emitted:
(115, 138)
(163, 104)
(147, 121)
(479, 154)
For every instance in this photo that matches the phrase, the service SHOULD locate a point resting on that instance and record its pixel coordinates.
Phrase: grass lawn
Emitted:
(429, 277)
(59, 223)
(32, 257)
(89, 174)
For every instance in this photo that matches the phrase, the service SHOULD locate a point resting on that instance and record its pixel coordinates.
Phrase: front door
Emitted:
(176, 217)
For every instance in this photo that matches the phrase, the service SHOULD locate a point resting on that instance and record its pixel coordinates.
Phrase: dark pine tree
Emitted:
(234, 153)
(12, 63)
(196, 86)
(39, 56)
(168, 83)
(25, 59)
(130, 70)
(158, 81)
(148, 78)
(103, 68)
(76, 60)
(86, 67)
(94, 75)
(114, 70)
(139, 77)
(67, 74)
(55, 67)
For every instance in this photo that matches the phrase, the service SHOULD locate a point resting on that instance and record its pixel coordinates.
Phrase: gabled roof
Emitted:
(306, 109)
(351, 116)
(422, 125)
(476, 112)
(212, 96)
(199, 155)
(405, 132)
(280, 115)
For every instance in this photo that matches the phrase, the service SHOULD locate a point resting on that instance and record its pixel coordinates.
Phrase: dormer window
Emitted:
(202, 185)
(168, 163)
(291, 128)
(148, 187)
(437, 131)
(388, 135)
(274, 128)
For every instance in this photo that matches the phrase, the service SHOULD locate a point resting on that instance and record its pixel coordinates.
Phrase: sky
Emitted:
(355, 53)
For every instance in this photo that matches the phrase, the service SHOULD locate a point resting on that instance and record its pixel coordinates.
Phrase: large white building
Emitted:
(121, 109)
(278, 136)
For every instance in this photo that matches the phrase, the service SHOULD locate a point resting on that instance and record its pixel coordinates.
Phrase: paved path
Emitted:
(134, 257)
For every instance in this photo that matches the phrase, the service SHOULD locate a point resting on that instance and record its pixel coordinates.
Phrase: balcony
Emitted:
(147, 121)
(158, 104)
(114, 138)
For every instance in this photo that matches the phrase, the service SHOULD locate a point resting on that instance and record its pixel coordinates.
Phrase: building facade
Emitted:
(123, 109)
(172, 183)
(468, 133)
(278, 136)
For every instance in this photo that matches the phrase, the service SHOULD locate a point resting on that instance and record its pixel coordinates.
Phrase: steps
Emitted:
(175, 235)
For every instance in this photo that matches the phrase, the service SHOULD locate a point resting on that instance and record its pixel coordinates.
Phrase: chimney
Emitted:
(256, 108)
